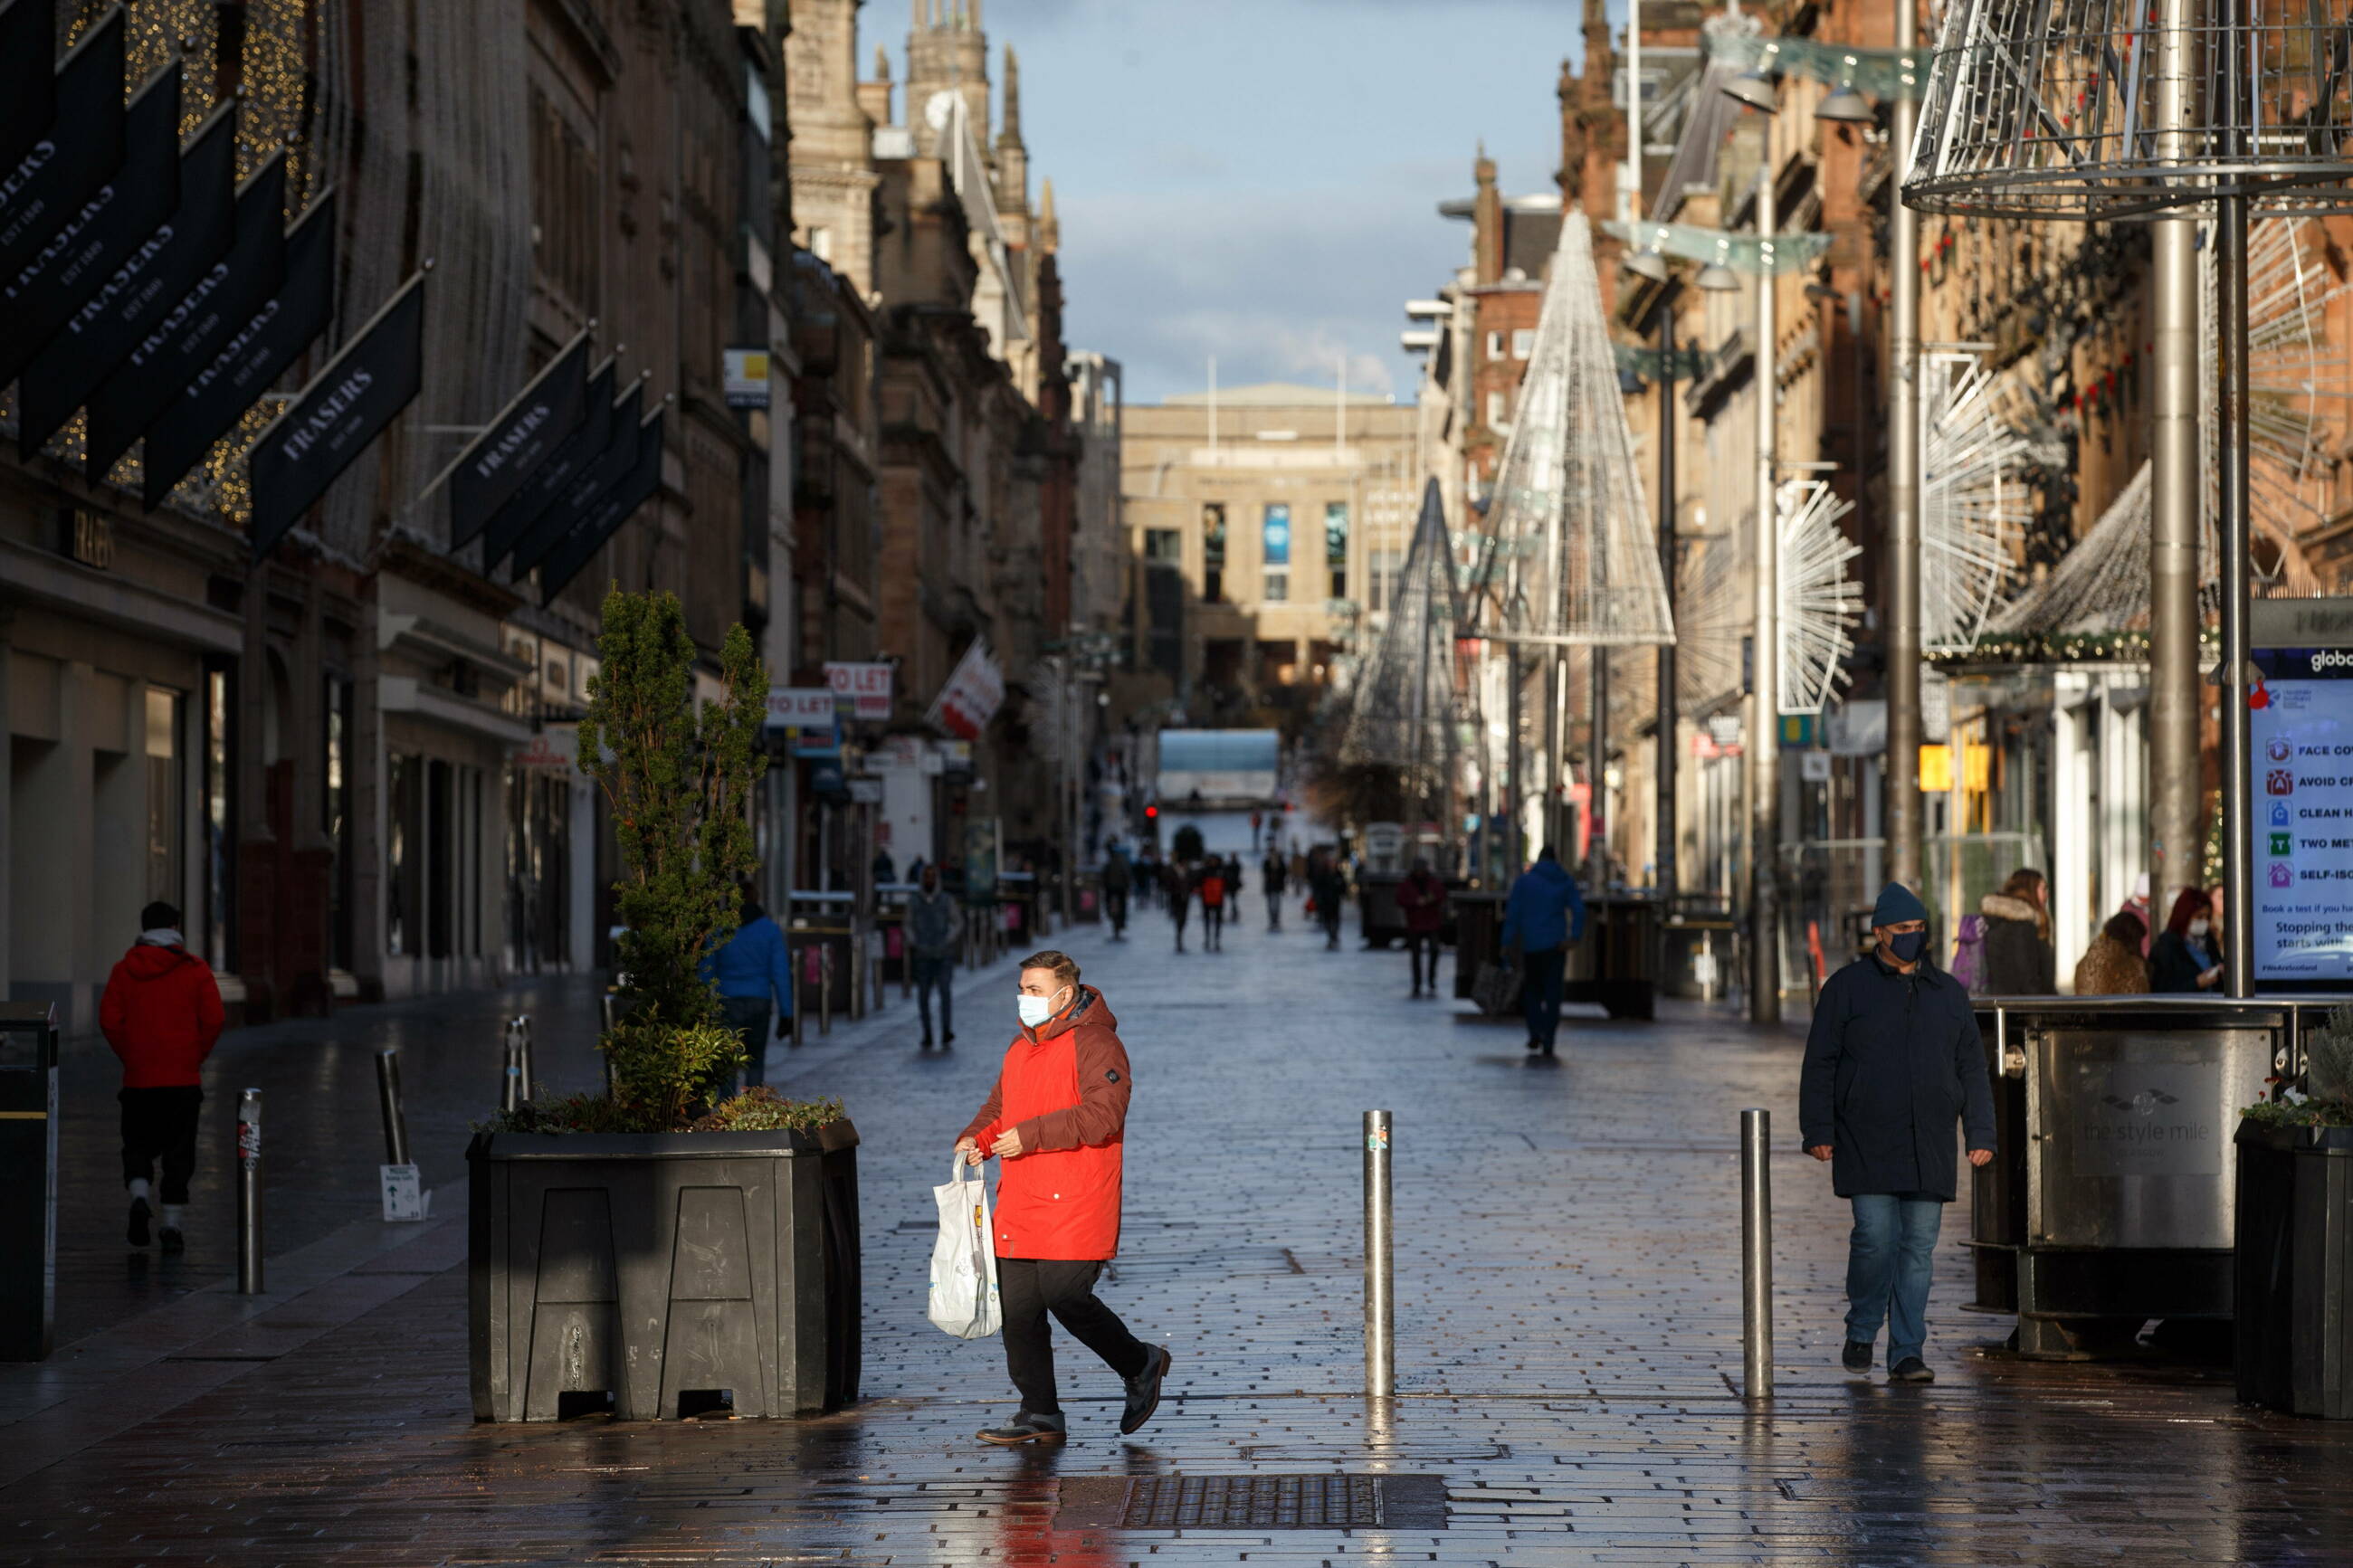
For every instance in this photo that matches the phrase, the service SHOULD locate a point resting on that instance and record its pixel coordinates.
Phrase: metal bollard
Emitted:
(248, 1192)
(396, 1118)
(1755, 1256)
(1380, 1347)
(510, 1071)
(529, 1086)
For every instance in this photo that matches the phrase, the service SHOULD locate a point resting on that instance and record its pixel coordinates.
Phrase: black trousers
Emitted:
(1423, 944)
(161, 1124)
(1028, 1289)
(1213, 925)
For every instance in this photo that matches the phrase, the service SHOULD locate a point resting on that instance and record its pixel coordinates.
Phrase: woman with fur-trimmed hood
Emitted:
(2018, 960)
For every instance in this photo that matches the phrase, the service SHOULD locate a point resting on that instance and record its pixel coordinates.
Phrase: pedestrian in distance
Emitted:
(1329, 888)
(934, 928)
(2177, 960)
(1116, 881)
(1421, 899)
(1148, 876)
(1212, 886)
(2112, 966)
(752, 971)
(1544, 917)
(1233, 915)
(2140, 908)
(1057, 1120)
(162, 1012)
(1893, 1059)
(1274, 876)
(1176, 884)
(2017, 956)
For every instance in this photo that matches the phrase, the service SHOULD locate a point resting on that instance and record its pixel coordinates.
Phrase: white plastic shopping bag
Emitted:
(964, 1260)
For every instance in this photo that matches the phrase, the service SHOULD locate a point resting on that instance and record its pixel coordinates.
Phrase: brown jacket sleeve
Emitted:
(1100, 1114)
(990, 1108)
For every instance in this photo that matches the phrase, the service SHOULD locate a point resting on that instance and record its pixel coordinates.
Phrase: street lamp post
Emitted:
(1902, 797)
(2175, 700)
(1764, 731)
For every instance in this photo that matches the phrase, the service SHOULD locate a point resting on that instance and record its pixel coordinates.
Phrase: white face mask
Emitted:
(2201, 926)
(1035, 1010)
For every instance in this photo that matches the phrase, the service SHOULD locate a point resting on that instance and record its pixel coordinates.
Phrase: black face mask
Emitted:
(1907, 946)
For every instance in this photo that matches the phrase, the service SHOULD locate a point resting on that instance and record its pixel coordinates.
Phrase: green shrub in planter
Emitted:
(645, 1250)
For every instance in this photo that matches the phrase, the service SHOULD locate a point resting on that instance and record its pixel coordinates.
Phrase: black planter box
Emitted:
(2294, 1290)
(661, 1274)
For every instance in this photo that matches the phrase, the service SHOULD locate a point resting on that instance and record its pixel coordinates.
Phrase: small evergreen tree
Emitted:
(677, 781)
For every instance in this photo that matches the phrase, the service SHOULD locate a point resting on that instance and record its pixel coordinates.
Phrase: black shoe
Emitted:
(1024, 1428)
(947, 1039)
(1535, 1044)
(174, 1242)
(139, 1214)
(1858, 1355)
(1144, 1390)
(1911, 1369)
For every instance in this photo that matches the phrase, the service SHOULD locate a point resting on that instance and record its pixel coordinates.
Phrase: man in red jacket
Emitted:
(1056, 1118)
(162, 1013)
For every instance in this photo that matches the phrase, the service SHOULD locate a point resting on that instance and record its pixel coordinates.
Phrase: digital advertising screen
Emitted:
(2301, 726)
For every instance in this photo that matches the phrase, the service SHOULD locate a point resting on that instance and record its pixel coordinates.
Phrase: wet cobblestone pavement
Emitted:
(1567, 1330)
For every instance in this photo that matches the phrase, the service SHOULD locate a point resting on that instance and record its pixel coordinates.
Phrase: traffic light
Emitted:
(1151, 814)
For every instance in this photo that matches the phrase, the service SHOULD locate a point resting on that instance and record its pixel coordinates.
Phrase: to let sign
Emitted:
(867, 687)
(800, 708)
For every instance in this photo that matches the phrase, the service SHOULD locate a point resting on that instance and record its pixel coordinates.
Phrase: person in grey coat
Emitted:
(1893, 1059)
(934, 928)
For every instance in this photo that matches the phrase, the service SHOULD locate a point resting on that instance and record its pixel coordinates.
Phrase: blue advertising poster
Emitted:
(2301, 726)
(1278, 534)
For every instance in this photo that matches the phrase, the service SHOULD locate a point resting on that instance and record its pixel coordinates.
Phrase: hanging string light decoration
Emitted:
(1715, 612)
(1743, 252)
(2044, 108)
(2099, 591)
(1818, 602)
(1576, 563)
(1973, 508)
(1877, 73)
(1404, 712)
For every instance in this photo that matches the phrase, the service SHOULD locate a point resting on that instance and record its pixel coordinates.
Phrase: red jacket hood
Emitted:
(148, 961)
(1088, 1009)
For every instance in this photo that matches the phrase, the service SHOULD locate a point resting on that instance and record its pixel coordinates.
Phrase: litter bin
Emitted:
(2111, 1198)
(1616, 965)
(1478, 936)
(28, 1179)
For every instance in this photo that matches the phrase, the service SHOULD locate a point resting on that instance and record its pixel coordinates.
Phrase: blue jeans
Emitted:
(1888, 1263)
(1540, 993)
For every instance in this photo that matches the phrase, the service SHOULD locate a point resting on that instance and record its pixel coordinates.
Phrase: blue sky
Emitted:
(1259, 179)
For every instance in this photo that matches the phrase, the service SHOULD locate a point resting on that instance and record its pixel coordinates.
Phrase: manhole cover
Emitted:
(1252, 1502)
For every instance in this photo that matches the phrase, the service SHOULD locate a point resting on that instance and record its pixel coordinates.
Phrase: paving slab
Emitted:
(1567, 1331)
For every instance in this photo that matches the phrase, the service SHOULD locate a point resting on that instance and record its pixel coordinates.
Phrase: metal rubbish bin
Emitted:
(1617, 963)
(28, 1179)
(2111, 1198)
(1478, 934)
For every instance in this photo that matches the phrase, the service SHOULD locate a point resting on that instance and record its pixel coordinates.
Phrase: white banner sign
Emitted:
(972, 696)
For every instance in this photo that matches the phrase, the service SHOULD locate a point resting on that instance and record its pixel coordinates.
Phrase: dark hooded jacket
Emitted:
(1891, 1061)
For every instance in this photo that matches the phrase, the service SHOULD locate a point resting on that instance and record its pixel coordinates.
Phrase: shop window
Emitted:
(166, 798)
(403, 857)
(1163, 544)
(219, 824)
(1335, 546)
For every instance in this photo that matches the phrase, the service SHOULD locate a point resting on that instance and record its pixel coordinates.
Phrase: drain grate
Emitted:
(1253, 1503)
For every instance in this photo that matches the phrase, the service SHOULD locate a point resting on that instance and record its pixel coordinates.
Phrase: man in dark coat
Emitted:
(1893, 1056)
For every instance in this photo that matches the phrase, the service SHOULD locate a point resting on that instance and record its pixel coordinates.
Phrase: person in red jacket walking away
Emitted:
(1055, 1119)
(1421, 899)
(162, 1012)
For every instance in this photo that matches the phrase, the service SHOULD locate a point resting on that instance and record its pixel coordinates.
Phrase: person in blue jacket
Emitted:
(753, 966)
(1543, 919)
(1893, 1059)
